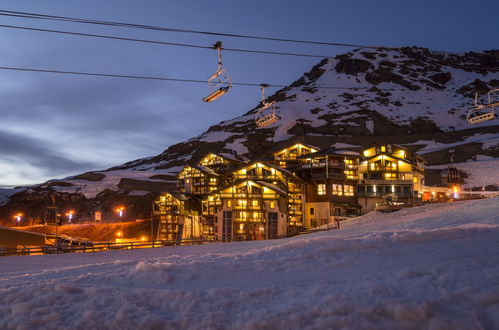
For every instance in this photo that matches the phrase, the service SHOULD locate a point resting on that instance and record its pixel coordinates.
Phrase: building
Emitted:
(260, 201)
(389, 169)
(332, 176)
(11, 238)
(228, 197)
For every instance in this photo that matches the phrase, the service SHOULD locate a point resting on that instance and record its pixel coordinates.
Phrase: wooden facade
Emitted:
(302, 187)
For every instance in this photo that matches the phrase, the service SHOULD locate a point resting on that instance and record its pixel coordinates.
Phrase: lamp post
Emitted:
(18, 217)
(120, 210)
(70, 215)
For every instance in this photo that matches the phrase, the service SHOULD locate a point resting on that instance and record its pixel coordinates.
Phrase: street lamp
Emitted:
(120, 210)
(18, 217)
(70, 215)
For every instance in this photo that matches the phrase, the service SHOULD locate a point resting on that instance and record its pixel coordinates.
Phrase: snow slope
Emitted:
(431, 267)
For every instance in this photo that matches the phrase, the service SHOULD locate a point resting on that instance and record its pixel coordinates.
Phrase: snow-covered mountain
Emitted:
(410, 96)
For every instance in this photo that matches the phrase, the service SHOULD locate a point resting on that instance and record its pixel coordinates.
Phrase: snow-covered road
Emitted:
(435, 266)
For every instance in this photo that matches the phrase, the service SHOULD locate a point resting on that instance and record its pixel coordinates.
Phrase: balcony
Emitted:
(369, 181)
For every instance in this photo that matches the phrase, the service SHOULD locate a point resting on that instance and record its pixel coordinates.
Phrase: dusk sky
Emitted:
(55, 125)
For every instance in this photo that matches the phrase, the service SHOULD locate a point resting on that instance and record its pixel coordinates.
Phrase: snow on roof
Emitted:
(206, 170)
(272, 187)
(235, 158)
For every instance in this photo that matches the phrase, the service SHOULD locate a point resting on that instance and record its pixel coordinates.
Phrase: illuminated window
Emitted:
(337, 189)
(321, 189)
(390, 176)
(213, 180)
(254, 203)
(415, 180)
(348, 190)
(350, 174)
(383, 149)
(349, 161)
(242, 202)
(229, 203)
(186, 180)
(272, 204)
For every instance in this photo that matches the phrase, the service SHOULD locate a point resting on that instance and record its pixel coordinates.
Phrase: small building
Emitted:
(11, 238)
(389, 169)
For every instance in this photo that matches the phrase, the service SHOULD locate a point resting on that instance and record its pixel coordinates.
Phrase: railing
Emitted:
(369, 181)
(97, 247)
(108, 246)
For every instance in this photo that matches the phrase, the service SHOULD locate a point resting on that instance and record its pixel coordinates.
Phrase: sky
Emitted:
(53, 125)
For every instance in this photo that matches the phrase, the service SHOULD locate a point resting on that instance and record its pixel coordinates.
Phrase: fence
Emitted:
(84, 247)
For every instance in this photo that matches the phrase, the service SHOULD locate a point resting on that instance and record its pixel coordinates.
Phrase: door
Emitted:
(227, 226)
(272, 224)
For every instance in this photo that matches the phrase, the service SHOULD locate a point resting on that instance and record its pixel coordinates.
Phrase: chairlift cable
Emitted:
(111, 75)
(159, 42)
(159, 28)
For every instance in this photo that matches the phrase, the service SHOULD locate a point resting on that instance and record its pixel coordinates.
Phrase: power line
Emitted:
(158, 42)
(167, 29)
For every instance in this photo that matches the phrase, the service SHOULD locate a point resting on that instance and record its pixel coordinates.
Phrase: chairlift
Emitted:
(266, 114)
(220, 82)
(483, 112)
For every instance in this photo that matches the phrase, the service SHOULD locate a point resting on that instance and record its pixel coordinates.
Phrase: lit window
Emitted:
(348, 190)
(242, 202)
(213, 180)
(272, 204)
(415, 180)
(229, 203)
(390, 176)
(321, 189)
(254, 203)
(337, 189)
(383, 149)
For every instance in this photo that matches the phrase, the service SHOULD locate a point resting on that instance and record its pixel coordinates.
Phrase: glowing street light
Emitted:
(119, 234)
(70, 215)
(18, 217)
(120, 210)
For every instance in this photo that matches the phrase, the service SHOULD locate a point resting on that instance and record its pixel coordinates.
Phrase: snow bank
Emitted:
(432, 267)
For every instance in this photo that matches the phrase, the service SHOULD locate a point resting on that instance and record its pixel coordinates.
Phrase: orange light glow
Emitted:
(119, 234)
(120, 210)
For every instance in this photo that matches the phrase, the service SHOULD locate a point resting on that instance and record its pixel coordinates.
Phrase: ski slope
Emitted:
(434, 266)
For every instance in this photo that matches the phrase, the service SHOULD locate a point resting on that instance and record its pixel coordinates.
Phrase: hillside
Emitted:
(410, 96)
(431, 267)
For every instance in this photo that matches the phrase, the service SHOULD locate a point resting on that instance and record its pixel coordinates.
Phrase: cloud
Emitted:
(16, 149)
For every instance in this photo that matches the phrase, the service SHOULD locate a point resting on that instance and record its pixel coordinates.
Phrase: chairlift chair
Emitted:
(483, 112)
(266, 114)
(220, 82)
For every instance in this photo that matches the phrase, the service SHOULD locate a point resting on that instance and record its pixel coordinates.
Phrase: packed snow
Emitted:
(430, 267)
